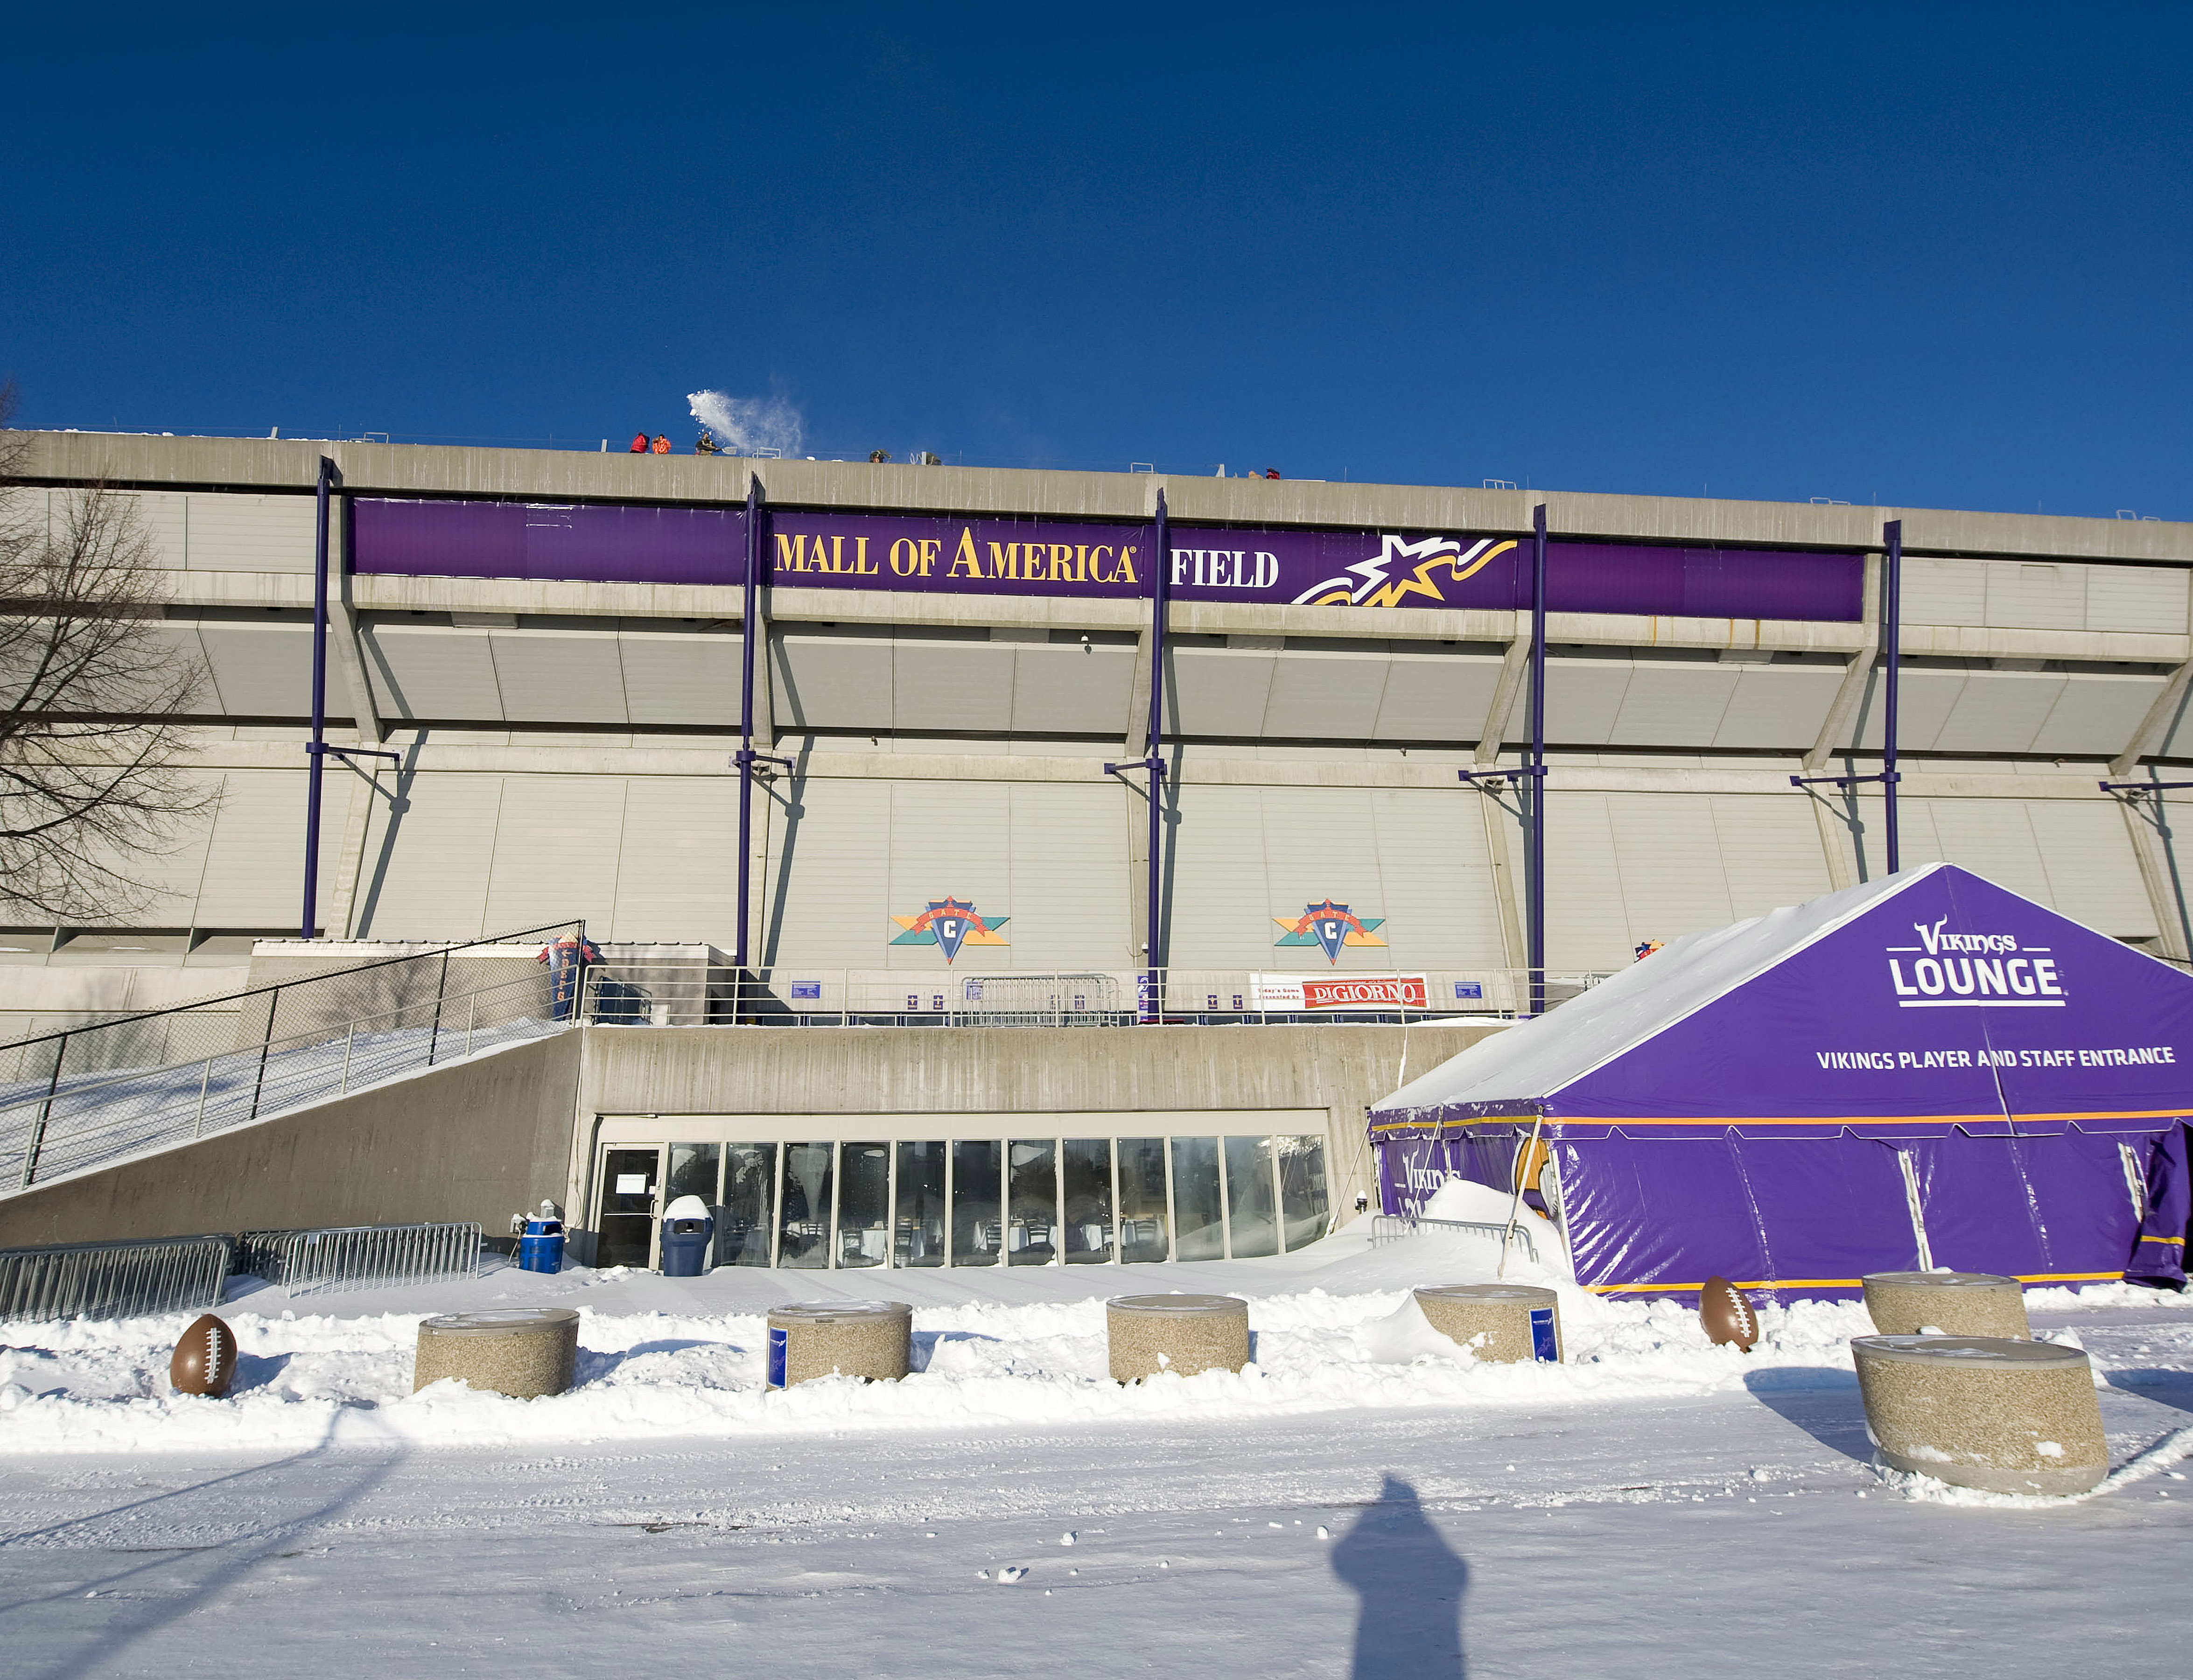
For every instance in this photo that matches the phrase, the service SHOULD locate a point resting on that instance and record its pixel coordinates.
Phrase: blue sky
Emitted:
(1929, 256)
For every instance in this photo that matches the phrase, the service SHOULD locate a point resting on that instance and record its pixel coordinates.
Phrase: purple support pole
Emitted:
(315, 753)
(1535, 870)
(1892, 632)
(1160, 593)
(745, 754)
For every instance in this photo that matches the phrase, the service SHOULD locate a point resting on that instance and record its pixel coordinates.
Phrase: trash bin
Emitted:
(687, 1229)
(540, 1248)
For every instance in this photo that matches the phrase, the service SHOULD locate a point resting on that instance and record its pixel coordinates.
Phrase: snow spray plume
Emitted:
(746, 425)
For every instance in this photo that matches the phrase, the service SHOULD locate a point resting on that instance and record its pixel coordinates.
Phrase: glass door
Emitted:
(627, 1224)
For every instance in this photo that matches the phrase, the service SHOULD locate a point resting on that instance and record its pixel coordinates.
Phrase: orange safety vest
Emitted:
(663, 446)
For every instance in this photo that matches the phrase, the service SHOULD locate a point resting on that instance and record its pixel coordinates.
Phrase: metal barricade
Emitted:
(1392, 1227)
(113, 1280)
(360, 1256)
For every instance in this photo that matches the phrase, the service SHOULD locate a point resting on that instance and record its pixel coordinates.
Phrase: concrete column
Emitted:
(2155, 728)
(1136, 735)
(1513, 669)
(2158, 874)
(366, 793)
(1505, 892)
(765, 698)
(1842, 713)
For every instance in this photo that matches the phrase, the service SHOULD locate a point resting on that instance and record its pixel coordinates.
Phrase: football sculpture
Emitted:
(1728, 1315)
(204, 1361)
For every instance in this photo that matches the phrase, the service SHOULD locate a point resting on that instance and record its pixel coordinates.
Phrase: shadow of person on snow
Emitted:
(1820, 1400)
(1410, 1582)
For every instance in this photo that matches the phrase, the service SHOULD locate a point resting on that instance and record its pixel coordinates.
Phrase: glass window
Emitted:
(1085, 1168)
(863, 1204)
(918, 1238)
(1251, 1219)
(747, 1217)
(977, 1170)
(804, 1235)
(1032, 1207)
(1197, 1215)
(1301, 1189)
(1145, 1216)
(693, 1173)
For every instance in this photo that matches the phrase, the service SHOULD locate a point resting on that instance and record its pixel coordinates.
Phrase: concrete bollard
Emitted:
(1503, 1322)
(872, 1339)
(1947, 1303)
(1986, 1412)
(524, 1353)
(1183, 1333)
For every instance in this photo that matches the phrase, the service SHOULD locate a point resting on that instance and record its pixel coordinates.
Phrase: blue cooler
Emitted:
(540, 1248)
(687, 1230)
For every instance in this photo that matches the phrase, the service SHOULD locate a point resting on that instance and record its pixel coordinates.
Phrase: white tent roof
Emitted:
(1534, 1059)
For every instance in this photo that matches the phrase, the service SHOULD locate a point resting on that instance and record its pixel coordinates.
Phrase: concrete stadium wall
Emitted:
(479, 1139)
(1034, 1070)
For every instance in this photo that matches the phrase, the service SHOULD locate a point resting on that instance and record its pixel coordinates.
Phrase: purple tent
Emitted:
(1923, 1071)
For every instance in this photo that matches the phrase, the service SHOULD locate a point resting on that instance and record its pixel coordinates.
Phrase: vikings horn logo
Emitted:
(1376, 582)
(948, 923)
(1329, 926)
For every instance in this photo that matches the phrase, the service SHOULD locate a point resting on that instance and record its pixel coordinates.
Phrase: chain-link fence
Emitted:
(73, 1100)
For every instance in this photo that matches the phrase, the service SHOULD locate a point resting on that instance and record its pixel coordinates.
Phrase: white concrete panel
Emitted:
(938, 685)
(2023, 595)
(1944, 591)
(1778, 706)
(1321, 842)
(1063, 688)
(826, 891)
(1583, 698)
(1587, 920)
(1436, 695)
(1990, 837)
(1436, 880)
(948, 838)
(1325, 695)
(1770, 850)
(167, 883)
(431, 671)
(425, 871)
(162, 515)
(1674, 878)
(1222, 692)
(1221, 904)
(2141, 599)
(556, 848)
(266, 669)
(1925, 700)
(251, 533)
(1672, 704)
(2096, 713)
(1069, 899)
(2093, 873)
(255, 867)
(832, 682)
(559, 676)
(677, 868)
(2000, 711)
(680, 677)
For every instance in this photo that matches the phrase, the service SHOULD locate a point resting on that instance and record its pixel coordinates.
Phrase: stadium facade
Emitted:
(953, 661)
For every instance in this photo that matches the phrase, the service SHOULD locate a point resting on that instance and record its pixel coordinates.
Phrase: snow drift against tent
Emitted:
(1925, 1069)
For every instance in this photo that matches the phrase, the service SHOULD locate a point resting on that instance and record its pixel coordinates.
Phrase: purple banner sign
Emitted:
(603, 543)
(585, 542)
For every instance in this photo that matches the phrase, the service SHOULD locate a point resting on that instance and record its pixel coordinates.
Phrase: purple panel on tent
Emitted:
(584, 542)
(2034, 1207)
(2159, 1257)
(1951, 1000)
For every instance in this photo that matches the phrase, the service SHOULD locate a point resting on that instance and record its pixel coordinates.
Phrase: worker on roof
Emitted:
(708, 444)
(662, 444)
(638, 443)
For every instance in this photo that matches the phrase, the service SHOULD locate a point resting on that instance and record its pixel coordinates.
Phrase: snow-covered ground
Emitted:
(1365, 1500)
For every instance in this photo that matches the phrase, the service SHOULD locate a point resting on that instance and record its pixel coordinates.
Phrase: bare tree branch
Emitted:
(96, 700)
